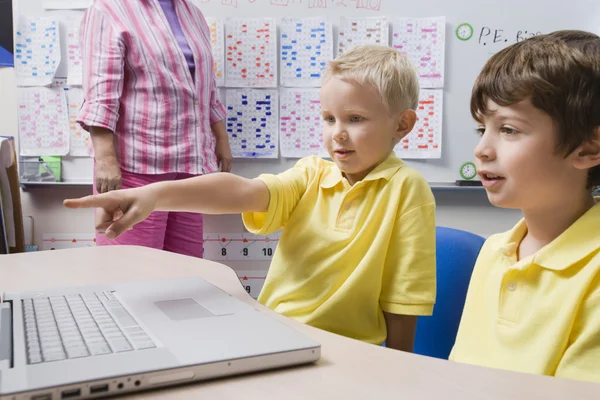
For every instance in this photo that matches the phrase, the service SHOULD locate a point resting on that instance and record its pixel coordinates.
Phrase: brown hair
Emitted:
(559, 73)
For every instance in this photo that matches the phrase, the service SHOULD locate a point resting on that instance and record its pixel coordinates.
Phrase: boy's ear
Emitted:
(406, 123)
(587, 155)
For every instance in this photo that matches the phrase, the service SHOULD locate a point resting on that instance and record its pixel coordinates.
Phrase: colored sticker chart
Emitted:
(251, 52)
(37, 51)
(300, 123)
(425, 140)
(216, 27)
(252, 123)
(423, 41)
(74, 63)
(43, 122)
(306, 47)
(357, 31)
(80, 141)
(240, 246)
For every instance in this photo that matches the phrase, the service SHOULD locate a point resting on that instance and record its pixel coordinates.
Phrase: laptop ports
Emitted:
(95, 389)
(70, 393)
(45, 396)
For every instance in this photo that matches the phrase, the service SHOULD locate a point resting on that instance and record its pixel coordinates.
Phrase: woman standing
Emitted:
(152, 108)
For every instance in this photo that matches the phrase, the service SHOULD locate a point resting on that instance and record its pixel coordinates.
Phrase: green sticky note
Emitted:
(51, 165)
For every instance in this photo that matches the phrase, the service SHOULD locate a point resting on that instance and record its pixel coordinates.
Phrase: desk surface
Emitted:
(347, 369)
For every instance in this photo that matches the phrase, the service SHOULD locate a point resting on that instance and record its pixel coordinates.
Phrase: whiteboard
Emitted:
(495, 25)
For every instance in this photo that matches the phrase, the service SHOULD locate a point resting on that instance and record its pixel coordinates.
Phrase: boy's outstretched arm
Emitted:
(400, 331)
(218, 193)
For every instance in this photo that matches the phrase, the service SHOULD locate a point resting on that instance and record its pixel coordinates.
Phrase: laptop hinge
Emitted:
(6, 335)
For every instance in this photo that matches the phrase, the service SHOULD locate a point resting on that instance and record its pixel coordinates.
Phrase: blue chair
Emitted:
(457, 252)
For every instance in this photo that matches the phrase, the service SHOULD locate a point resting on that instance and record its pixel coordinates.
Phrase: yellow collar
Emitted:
(579, 241)
(385, 170)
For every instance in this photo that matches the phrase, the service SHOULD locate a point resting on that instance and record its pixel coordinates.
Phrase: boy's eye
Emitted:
(330, 120)
(508, 130)
(480, 131)
(356, 118)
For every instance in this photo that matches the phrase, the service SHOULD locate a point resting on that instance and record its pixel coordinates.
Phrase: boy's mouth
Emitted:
(343, 153)
(489, 179)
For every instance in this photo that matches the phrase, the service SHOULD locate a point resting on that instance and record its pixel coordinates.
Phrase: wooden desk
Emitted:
(348, 369)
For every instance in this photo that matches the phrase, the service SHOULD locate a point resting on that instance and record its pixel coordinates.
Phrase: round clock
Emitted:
(464, 31)
(468, 170)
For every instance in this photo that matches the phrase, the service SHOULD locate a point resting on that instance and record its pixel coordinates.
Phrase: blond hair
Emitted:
(390, 72)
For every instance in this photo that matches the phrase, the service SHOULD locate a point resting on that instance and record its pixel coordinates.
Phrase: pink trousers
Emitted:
(175, 232)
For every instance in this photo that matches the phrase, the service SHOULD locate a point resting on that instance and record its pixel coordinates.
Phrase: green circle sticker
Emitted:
(464, 31)
(468, 170)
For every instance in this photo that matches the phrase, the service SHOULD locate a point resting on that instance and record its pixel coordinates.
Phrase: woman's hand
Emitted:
(119, 210)
(107, 169)
(108, 174)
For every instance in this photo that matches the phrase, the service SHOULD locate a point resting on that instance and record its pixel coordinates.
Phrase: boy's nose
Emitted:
(484, 149)
(340, 133)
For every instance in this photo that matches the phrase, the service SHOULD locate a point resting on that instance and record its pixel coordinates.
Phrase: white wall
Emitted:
(468, 210)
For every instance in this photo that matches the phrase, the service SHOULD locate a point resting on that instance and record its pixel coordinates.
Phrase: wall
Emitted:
(467, 210)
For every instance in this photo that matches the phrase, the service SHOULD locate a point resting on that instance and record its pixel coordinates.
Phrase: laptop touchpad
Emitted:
(183, 309)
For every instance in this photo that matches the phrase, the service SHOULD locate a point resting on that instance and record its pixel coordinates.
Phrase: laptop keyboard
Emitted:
(74, 326)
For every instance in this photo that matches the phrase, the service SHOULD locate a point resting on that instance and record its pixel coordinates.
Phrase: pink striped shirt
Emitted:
(137, 84)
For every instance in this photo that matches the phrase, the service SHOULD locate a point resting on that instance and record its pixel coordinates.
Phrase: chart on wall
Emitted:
(43, 121)
(360, 31)
(6, 34)
(422, 40)
(251, 52)
(306, 45)
(74, 62)
(60, 241)
(240, 246)
(37, 50)
(216, 26)
(79, 139)
(252, 122)
(425, 140)
(300, 123)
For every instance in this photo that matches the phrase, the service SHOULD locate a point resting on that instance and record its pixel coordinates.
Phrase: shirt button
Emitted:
(512, 286)
(347, 206)
(196, 102)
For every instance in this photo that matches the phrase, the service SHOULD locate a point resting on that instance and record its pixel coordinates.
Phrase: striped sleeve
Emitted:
(103, 66)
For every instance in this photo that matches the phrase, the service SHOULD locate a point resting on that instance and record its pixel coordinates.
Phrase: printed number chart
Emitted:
(423, 41)
(59, 241)
(251, 52)
(358, 31)
(217, 41)
(240, 246)
(43, 122)
(306, 47)
(252, 122)
(425, 140)
(37, 51)
(300, 123)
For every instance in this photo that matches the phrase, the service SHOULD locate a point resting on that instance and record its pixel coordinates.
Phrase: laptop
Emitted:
(96, 341)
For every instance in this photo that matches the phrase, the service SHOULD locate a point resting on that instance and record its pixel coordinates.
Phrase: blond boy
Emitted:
(357, 253)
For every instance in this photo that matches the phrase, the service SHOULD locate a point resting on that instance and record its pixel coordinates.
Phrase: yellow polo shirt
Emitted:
(541, 314)
(348, 252)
